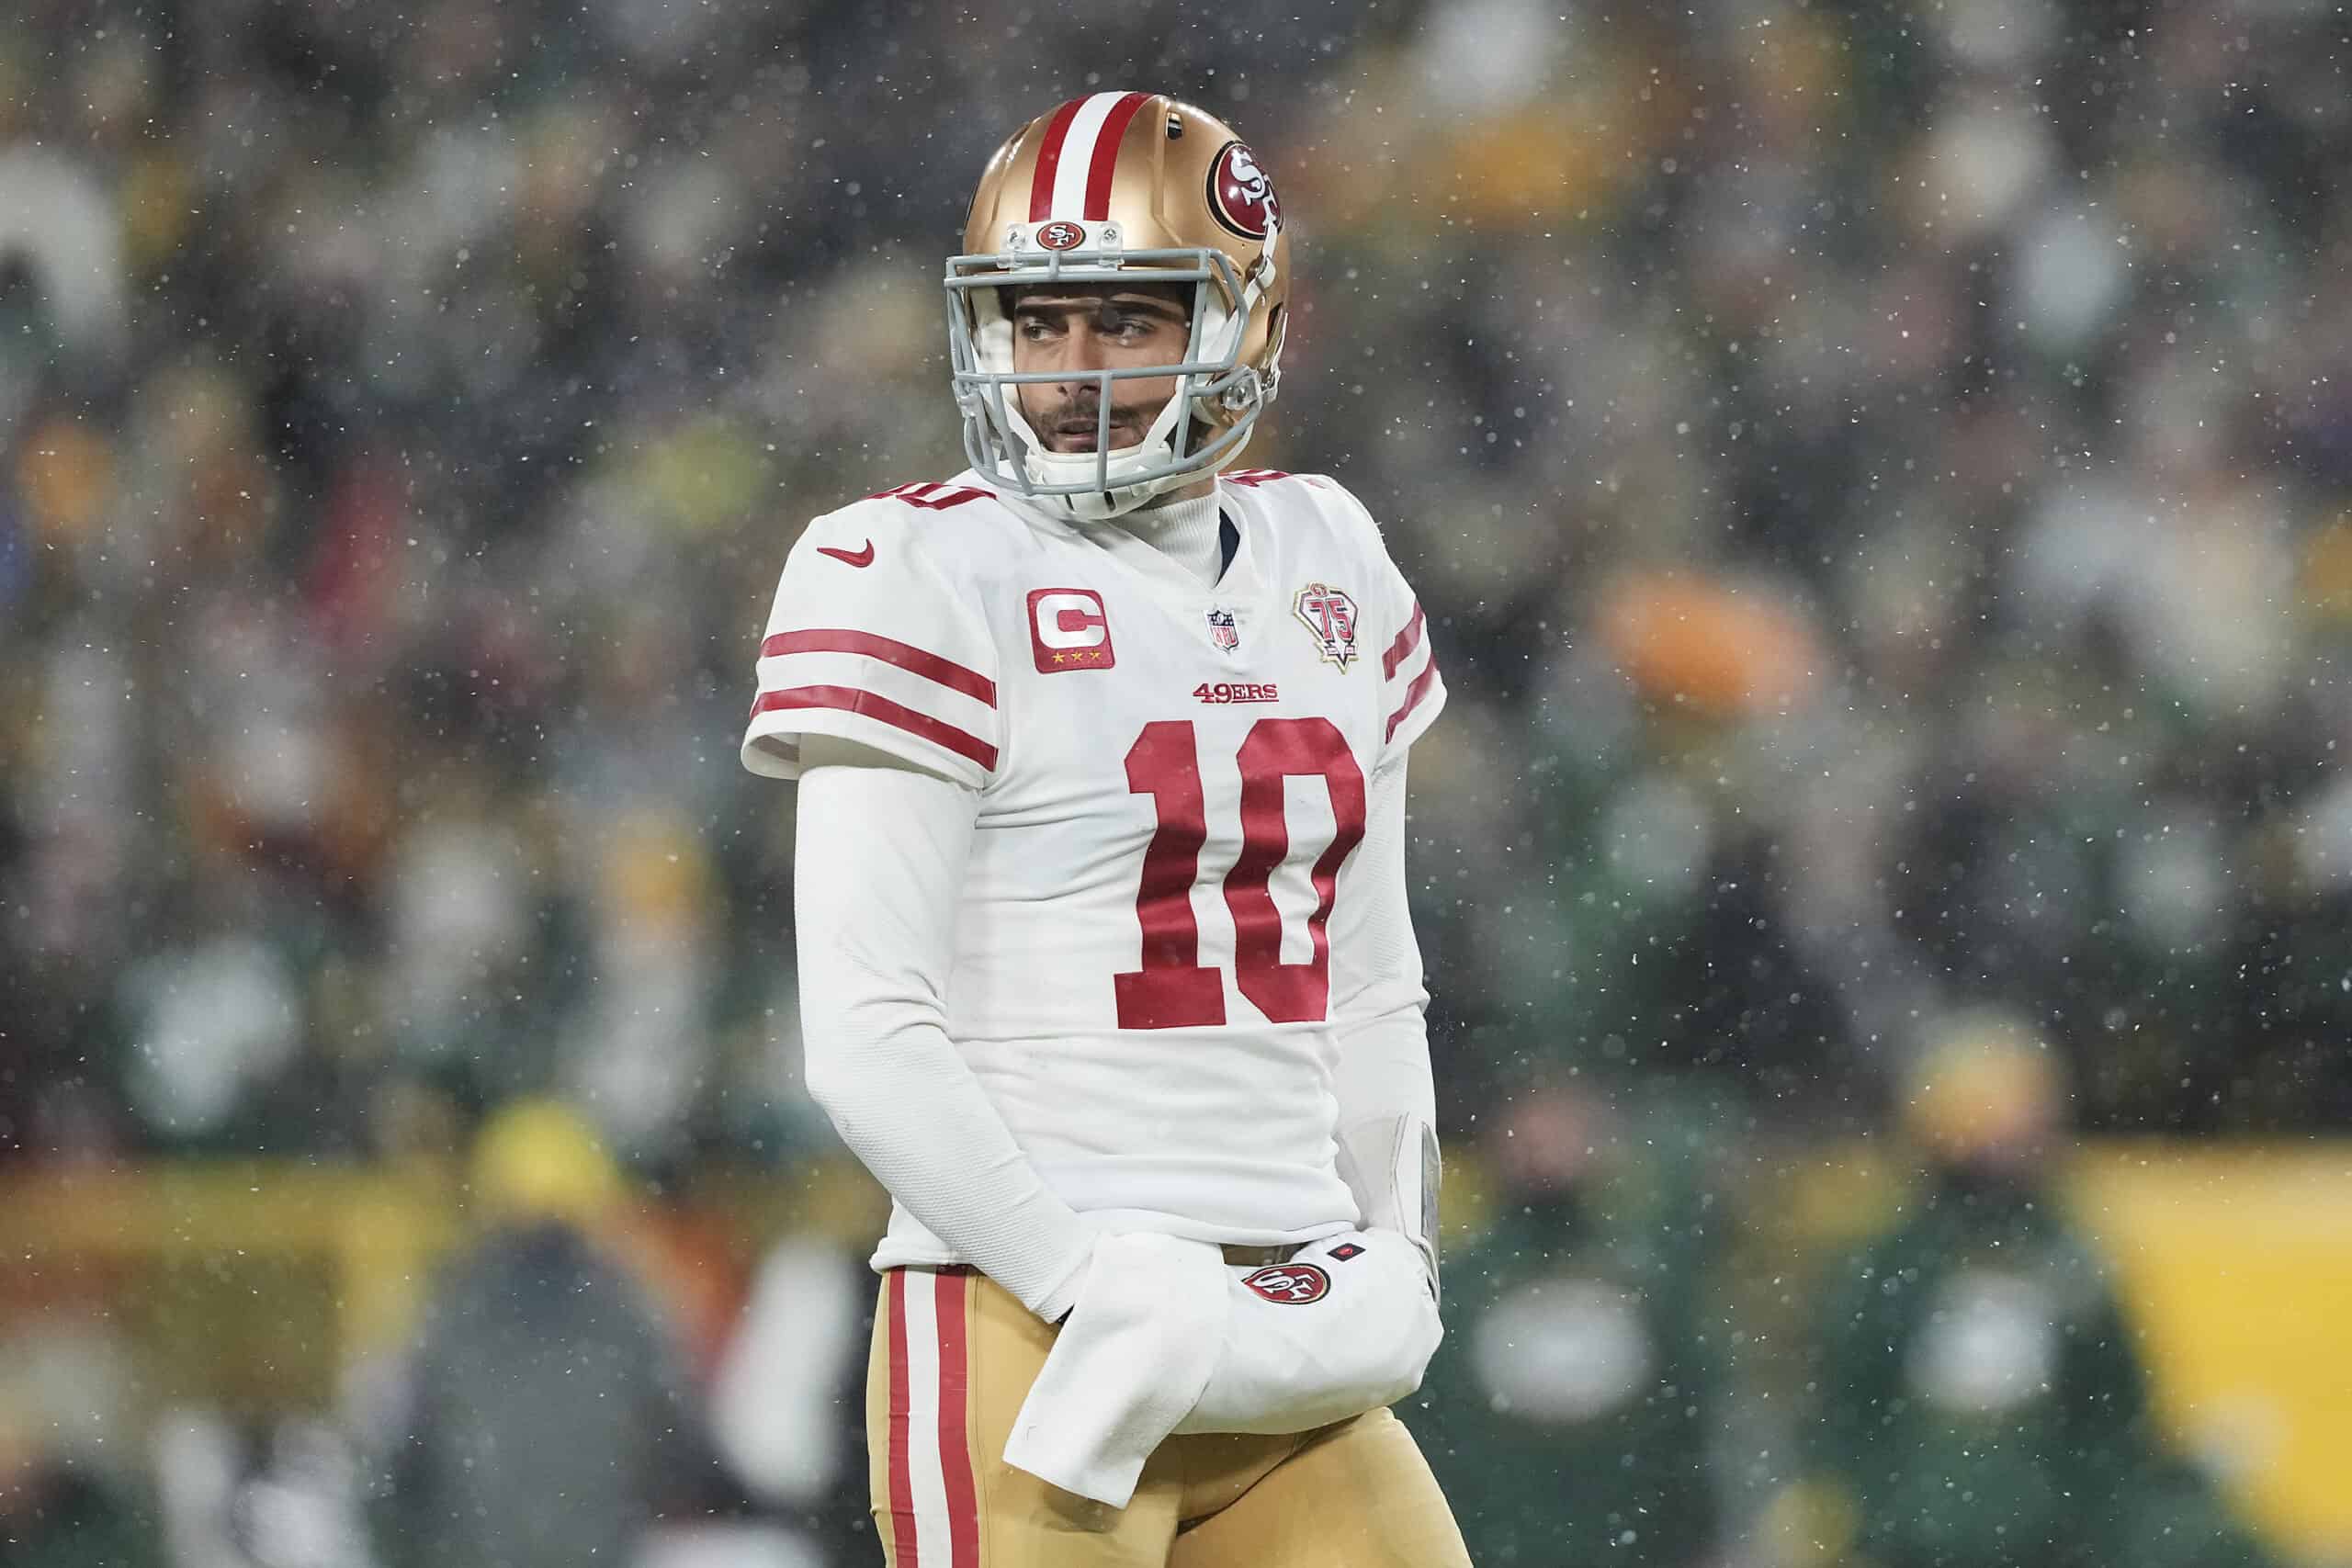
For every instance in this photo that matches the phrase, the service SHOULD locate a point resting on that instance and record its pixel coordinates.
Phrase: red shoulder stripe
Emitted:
(882, 710)
(1402, 648)
(932, 495)
(1413, 696)
(889, 650)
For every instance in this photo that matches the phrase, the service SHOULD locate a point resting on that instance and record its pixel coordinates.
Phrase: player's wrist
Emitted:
(1054, 1306)
(1391, 1166)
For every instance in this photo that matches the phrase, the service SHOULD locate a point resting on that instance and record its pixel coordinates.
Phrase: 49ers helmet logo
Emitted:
(1290, 1284)
(1060, 236)
(1240, 194)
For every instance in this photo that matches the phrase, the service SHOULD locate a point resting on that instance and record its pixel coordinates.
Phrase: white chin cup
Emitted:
(1045, 468)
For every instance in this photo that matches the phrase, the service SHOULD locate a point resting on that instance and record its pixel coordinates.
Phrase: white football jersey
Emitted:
(1171, 781)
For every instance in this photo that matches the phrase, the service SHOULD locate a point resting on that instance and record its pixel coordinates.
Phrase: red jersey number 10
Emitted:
(1173, 991)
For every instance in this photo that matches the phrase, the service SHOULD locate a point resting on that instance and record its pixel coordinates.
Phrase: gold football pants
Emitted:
(952, 1357)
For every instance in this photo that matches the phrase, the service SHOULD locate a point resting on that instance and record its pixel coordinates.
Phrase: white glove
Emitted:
(1346, 1326)
(1138, 1349)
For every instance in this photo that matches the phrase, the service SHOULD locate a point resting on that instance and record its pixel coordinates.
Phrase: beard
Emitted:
(1073, 427)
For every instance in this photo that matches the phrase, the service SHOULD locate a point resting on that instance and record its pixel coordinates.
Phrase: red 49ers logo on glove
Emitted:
(1290, 1284)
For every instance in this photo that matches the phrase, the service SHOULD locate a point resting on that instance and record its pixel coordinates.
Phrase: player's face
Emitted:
(1076, 328)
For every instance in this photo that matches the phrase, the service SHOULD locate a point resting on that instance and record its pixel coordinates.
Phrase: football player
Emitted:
(1099, 877)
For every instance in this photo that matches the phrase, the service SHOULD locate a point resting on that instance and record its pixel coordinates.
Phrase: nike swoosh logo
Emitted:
(854, 558)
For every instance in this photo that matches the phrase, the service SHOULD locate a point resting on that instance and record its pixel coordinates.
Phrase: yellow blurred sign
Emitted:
(2235, 1262)
(2237, 1266)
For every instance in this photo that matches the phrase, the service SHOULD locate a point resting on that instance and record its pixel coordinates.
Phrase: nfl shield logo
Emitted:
(1223, 632)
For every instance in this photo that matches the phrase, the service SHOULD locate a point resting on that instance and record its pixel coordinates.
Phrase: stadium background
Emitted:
(1881, 479)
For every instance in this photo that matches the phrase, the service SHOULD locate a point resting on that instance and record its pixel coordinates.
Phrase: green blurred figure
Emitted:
(1570, 1413)
(1980, 1400)
(547, 1421)
(58, 1513)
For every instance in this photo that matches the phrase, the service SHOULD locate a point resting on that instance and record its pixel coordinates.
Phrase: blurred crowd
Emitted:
(1881, 489)
(1880, 477)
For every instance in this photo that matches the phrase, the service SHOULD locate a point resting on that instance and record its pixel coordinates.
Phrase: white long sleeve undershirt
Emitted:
(881, 850)
(1377, 994)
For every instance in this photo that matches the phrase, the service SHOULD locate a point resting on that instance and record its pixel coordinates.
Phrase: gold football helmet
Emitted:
(1121, 188)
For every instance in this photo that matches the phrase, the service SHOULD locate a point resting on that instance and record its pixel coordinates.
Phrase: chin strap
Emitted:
(1261, 386)
(1392, 1167)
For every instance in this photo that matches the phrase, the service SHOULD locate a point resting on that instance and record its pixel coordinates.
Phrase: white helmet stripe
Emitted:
(1077, 163)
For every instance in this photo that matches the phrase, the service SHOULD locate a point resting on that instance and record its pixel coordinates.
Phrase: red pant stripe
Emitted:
(955, 1402)
(902, 1491)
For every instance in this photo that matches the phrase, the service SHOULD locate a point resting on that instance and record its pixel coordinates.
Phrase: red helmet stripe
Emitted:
(1106, 155)
(1049, 158)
